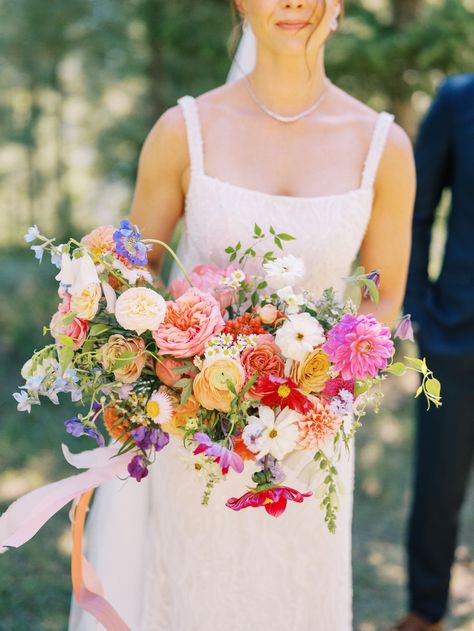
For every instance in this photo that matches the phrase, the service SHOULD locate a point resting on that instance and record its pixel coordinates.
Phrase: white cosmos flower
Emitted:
(299, 335)
(278, 434)
(292, 299)
(284, 271)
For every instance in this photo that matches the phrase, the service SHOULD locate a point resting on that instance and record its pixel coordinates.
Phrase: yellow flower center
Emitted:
(273, 433)
(284, 391)
(268, 501)
(153, 408)
(299, 337)
(197, 467)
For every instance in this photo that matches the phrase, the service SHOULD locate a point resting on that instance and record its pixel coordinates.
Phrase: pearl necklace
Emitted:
(280, 117)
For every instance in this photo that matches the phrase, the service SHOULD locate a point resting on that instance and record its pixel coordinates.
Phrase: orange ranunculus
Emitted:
(210, 385)
(181, 414)
(115, 425)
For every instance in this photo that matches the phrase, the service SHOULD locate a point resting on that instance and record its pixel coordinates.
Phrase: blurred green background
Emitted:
(81, 83)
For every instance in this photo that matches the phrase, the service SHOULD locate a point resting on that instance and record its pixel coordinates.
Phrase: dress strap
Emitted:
(193, 129)
(377, 145)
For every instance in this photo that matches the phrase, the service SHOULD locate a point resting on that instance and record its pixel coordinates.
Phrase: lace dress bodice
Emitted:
(328, 230)
(169, 564)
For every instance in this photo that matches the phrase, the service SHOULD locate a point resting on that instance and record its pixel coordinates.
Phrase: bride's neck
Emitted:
(285, 84)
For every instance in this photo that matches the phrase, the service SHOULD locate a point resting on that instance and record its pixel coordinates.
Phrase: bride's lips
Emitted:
(292, 25)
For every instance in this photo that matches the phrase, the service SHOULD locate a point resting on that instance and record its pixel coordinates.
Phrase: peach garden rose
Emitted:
(117, 346)
(189, 322)
(264, 358)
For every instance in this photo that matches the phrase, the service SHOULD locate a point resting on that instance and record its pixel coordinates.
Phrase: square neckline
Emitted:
(196, 151)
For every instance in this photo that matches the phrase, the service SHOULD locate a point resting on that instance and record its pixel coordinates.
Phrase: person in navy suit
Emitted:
(443, 313)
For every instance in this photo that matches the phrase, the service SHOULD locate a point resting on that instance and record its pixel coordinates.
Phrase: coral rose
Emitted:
(86, 304)
(140, 309)
(168, 372)
(77, 329)
(264, 358)
(317, 426)
(210, 385)
(117, 346)
(312, 373)
(189, 322)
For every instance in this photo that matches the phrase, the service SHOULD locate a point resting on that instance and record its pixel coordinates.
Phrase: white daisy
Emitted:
(159, 407)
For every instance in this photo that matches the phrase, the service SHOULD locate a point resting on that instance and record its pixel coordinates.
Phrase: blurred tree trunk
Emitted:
(30, 126)
(154, 19)
(64, 220)
(404, 13)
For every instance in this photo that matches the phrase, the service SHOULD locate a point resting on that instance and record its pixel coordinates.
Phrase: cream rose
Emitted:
(140, 309)
(210, 385)
(117, 346)
(312, 373)
(86, 304)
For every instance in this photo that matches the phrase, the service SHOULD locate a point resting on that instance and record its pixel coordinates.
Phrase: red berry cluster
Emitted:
(247, 324)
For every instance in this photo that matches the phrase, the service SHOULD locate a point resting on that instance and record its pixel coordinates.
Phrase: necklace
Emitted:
(280, 117)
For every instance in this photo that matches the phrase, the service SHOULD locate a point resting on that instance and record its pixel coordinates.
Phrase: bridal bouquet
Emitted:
(240, 368)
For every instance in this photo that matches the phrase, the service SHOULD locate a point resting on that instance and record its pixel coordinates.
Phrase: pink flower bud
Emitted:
(268, 314)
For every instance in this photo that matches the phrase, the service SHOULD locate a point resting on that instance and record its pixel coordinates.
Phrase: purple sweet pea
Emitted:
(128, 244)
(404, 329)
(75, 427)
(225, 457)
(137, 468)
(146, 438)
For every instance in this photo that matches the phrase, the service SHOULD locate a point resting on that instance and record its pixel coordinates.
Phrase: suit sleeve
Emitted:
(433, 156)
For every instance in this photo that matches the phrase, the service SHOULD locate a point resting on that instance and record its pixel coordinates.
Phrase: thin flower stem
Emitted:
(173, 254)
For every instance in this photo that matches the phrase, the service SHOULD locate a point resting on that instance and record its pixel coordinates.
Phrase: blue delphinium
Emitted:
(128, 244)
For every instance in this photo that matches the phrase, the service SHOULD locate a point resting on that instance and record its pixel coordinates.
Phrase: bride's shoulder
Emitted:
(365, 120)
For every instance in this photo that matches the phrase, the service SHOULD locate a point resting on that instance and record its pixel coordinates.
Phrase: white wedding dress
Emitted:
(166, 562)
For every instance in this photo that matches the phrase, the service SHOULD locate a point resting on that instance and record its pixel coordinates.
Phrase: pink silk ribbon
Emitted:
(26, 515)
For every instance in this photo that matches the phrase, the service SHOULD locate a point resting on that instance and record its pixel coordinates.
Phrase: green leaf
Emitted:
(229, 249)
(232, 257)
(182, 383)
(66, 355)
(231, 386)
(398, 369)
(186, 392)
(418, 392)
(433, 387)
(257, 230)
(372, 289)
(66, 341)
(123, 360)
(238, 246)
(45, 330)
(98, 329)
(417, 364)
(278, 243)
(68, 318)
(272, 231)
(285, 237)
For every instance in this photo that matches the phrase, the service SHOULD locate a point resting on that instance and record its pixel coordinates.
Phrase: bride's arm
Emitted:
(387, 243)
(159, 197)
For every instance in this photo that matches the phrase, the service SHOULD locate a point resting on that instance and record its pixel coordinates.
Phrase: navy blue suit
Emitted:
(444, 312)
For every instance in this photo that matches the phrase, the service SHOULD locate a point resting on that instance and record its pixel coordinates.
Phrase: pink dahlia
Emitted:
(359, 346)
(189, 322)
(334, 386)
(274, 500)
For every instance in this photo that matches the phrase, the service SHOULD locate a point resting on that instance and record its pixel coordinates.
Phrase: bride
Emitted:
(280, 146)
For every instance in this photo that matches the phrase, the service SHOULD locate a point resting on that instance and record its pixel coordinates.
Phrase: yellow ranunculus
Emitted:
(312, 373)
(210, 385)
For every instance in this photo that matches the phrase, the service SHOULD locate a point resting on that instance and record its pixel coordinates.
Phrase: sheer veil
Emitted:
(245, 57)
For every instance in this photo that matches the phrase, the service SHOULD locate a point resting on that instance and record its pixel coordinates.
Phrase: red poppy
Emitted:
(274, 500)
(281, 392)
